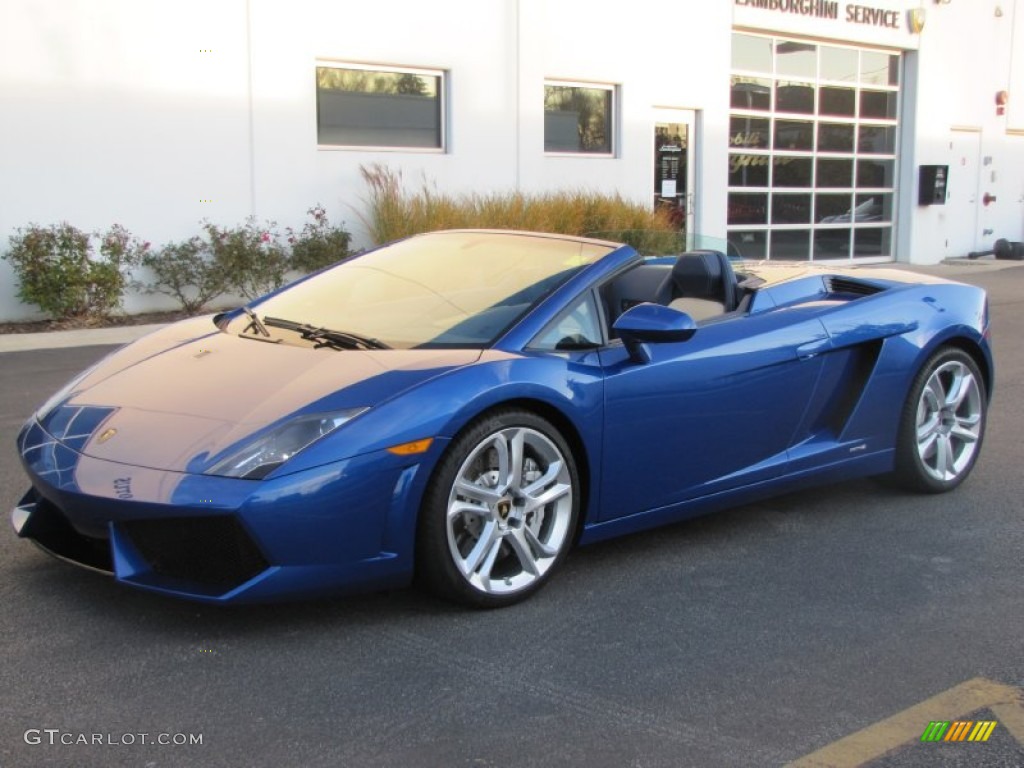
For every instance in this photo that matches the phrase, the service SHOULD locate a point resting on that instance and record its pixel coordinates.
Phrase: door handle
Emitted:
(813, 348)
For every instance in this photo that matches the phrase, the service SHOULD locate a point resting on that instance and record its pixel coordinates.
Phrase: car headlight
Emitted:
(262, 456)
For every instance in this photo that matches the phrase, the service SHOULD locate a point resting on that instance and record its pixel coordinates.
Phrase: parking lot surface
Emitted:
(760, 636)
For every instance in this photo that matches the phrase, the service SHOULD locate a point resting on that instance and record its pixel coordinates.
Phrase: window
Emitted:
(813, 142)
(384, 107)
(577, 328)
(578, 118)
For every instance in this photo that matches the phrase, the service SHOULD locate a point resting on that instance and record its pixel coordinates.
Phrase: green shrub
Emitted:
(393, 213)
(58, 271)
(248, 260)
(187, 272)
(318, 244)
(251, 257)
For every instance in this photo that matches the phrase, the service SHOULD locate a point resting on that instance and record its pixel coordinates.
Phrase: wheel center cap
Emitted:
(947, 419)
(504, 509)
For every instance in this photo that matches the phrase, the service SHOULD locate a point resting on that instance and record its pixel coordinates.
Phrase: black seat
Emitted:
(647, 282)
(702, 284)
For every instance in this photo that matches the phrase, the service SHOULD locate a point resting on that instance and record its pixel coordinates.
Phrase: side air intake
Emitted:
(849, 287)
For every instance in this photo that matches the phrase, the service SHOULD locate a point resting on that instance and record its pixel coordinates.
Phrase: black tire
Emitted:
(480, 554)
(955, 426)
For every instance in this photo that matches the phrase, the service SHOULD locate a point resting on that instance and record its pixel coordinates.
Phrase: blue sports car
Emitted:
(463, 407)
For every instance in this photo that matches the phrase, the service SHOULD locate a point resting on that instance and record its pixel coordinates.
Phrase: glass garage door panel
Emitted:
(813, 149)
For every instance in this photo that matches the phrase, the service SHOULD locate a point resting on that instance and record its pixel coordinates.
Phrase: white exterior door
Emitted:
(962, 199)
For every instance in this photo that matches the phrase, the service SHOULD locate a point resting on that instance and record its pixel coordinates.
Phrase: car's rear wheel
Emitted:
(500, 512)
(943, 423)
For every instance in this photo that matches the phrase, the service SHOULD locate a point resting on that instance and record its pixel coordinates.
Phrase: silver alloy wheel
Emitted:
(509, 510)
(949, 421)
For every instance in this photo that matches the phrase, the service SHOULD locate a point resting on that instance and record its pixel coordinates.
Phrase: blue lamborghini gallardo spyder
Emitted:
(461, 408)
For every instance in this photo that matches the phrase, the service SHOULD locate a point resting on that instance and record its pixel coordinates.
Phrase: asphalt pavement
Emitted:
(814, 629)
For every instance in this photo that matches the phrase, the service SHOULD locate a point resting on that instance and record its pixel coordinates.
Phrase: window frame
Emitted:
(442, 96)
(613, 117)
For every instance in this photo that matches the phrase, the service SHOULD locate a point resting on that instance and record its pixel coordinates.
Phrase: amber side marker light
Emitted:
(409, 449)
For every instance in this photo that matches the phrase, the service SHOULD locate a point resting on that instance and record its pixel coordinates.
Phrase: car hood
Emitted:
(167, 402)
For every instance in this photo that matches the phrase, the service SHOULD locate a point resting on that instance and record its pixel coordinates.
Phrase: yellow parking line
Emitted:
(905, 727)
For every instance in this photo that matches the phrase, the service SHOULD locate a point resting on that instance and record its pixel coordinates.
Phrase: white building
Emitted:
(796, 128)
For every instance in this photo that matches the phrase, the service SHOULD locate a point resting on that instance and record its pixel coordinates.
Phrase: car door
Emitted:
(709, 414)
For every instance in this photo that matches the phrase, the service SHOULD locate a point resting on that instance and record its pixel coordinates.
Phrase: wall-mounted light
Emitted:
(1002, 98)
(943, 2)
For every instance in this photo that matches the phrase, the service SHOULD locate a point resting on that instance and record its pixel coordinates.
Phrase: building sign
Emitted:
(862, 14)
(883, 22)
(825, 9)
(829, 9)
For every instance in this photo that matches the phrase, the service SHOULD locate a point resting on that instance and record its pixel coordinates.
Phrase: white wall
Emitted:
(135, 111)
(110, 113)
(473, 41)
(660, 54)
(498, 55)
(965, 57)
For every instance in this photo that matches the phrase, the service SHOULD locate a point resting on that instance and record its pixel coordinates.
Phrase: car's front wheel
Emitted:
(500, 512)
(943, 423)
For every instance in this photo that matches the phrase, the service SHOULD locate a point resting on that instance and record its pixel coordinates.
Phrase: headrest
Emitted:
(699, 274)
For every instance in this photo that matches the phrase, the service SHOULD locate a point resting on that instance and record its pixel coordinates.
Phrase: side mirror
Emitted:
(651, 324)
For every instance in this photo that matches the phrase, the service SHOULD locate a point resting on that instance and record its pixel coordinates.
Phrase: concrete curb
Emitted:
(20, 342)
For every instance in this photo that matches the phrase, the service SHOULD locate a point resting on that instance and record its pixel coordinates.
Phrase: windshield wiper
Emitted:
(326, 336)
(254, 323)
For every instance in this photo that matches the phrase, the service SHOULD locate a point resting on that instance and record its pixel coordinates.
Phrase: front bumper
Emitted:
(348, 526)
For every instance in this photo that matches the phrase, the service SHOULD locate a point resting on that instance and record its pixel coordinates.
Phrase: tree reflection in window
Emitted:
(577, 119)
(378, 108)
(371, 81)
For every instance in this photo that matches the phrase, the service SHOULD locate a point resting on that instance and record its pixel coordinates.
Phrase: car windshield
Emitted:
(444, 289)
